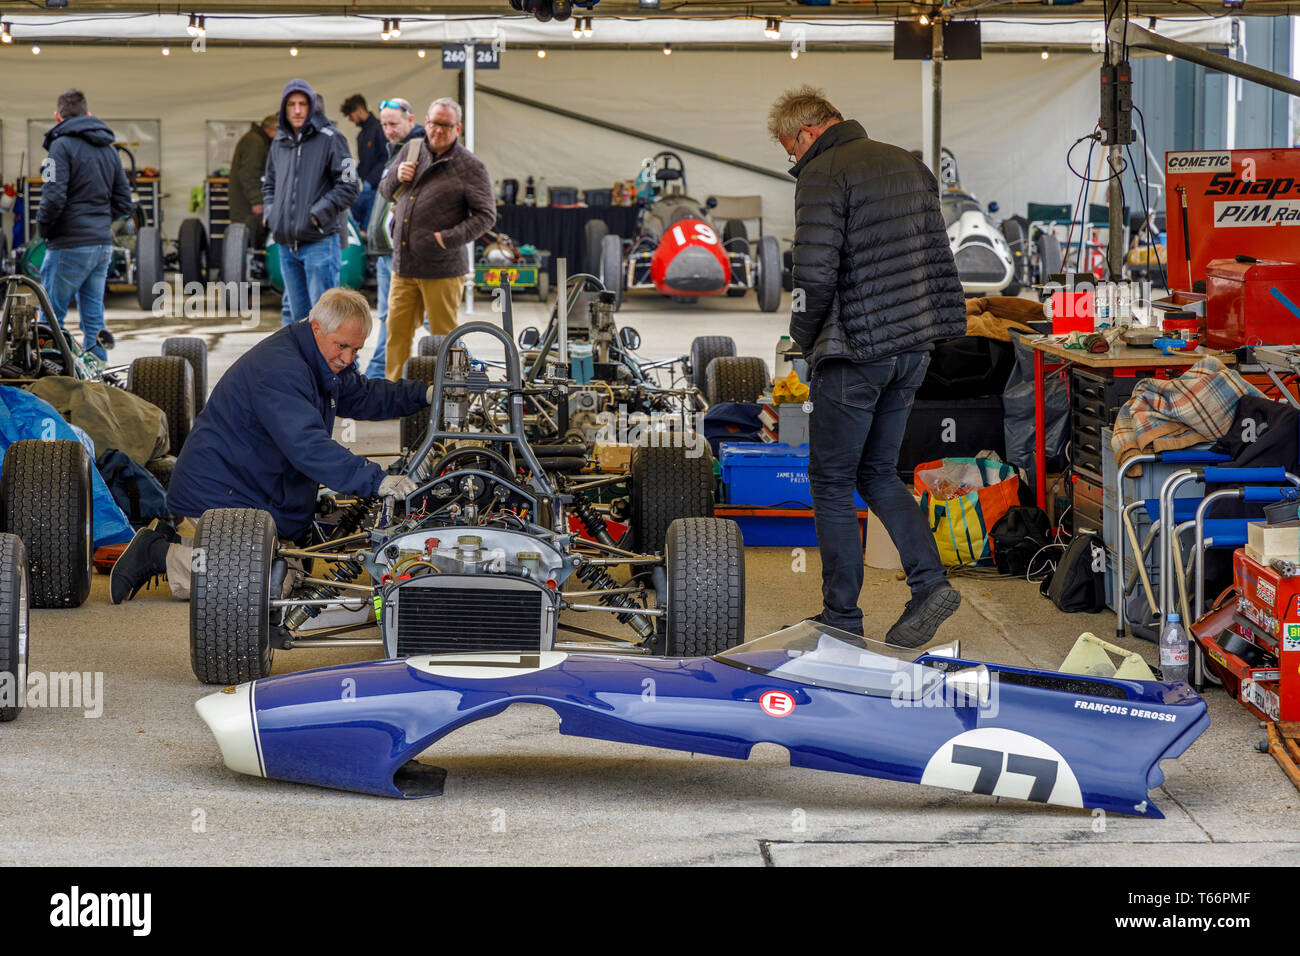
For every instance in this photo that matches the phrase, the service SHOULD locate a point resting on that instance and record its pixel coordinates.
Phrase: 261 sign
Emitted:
(485, 57)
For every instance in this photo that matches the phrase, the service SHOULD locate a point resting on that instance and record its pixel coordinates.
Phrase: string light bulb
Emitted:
(166, 51)
(668, 49)
(5, 35)
(293, 51)
(420, 53)
(396, 28)
(587, 28)
(387, 32)
(541, 54)
(577, 28)
(202, 26)
(1169, 58)
(36, 49)
(924, 21)
(192, 28)
(1044, 53)
(794, 54)
(772, 28)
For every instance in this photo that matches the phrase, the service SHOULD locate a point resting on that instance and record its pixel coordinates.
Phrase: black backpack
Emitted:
(1017, 537)
(1079, 581)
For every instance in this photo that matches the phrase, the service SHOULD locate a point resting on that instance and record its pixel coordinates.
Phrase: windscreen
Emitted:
(824, 656)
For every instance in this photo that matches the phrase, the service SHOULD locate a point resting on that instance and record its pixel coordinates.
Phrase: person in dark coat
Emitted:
(246, 169)
(875, 286)
(264, 438)
(372, 154)
(310, 183)
(83, 190)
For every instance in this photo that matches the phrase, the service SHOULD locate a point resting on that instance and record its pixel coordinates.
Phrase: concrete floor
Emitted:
(143, 782)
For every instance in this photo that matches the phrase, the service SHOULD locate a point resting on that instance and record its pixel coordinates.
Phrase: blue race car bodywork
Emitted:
(835, 702)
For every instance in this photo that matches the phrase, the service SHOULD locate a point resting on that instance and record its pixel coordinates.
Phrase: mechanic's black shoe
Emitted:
(144, 559)
(922, 617)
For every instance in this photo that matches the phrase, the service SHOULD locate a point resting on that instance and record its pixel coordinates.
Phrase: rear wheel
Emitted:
(611, 267)
(667, 484)
(166, 381)
(420, 368)
(735, 229)
(148, 266)
(1048, 248)
(704, 349)
(193, 248)
(429, 345)
(767, 280)
(230, 596)
(195, 351)
(735, 379)
(593, 245)
(45, 489)
(234, 253)
(14, 631)
(705, 604)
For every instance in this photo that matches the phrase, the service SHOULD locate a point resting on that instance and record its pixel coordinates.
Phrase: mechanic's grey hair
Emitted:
(448, 102)
(336, 306)
(794, 109)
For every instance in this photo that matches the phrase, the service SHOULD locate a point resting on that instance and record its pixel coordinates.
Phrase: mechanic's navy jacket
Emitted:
(83, 187)
(264, 441)
(309, 172)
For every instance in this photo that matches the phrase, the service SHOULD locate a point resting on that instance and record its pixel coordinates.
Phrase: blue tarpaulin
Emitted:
(22, 416)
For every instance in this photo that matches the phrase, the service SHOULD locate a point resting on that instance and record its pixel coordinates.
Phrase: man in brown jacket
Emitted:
(442, 201)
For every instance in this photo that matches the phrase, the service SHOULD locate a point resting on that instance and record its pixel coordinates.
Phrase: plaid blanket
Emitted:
(1197, 406)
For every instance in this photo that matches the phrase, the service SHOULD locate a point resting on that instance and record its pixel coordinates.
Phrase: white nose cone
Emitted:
(229, 715)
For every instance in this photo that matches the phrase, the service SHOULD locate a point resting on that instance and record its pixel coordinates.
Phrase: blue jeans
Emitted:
(308, 272)
(80, 273)
(383, 274)
(860, 412)
(364, 202)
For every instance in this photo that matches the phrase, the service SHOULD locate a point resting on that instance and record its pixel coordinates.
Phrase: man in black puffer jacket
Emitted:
(874, 286)
(83, 189)
(310, 184)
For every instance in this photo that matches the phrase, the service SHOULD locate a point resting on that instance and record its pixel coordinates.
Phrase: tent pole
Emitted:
(469, 144)
(1115, 161)
(936, 98)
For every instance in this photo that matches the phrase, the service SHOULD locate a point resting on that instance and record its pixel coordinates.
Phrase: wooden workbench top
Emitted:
(1122, 355)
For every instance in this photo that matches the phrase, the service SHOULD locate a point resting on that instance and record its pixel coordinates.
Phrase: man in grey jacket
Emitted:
(875, 286)
(311, 182)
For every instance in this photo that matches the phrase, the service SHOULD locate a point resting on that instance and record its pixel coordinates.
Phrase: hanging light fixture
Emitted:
(577, 28)
(1169, 58)
(5, 35)
(396, 28)
(924, 20)
(1044, 53)
(772, 28)
(420, 53)
(794, 54)
(587, 29)
(203, 25)
(668, 49)
(293, 51)
(36, 49)
(387, 32)
(166, 51)
(192, 28)
(541, 54)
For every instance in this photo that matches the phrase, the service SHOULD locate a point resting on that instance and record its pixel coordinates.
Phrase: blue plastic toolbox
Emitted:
(767, 475)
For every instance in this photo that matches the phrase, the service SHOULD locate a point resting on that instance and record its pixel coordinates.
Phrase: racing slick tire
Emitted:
(735, 229)
(148, 265)
(420, 368)
(611, 267)
(543, 284)
(705, 603)
(704, 349)
(45, 489)
(192, 245)
(593, 245)
(234, 253)
(767, 281)
(195, 351)
(162, 468)
(733, 378)
(14, 630)
(1048, 248)
(667, 484)
(429, 345)
(166, 381)
(230, 595)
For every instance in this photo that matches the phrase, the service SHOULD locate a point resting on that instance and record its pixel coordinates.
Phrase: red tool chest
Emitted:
(1267, 668)
(1252, 303)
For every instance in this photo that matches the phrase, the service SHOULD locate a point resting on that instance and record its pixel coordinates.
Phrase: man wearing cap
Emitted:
(246, 171)
(311, 181)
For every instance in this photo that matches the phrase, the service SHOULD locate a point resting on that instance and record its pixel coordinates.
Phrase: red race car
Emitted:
(678, 251)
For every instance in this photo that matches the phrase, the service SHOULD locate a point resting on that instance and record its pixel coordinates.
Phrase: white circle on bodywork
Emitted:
(486, 666)
(1004, 763)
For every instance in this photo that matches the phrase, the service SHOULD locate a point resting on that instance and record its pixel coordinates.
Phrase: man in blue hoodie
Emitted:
(265, 438)
(310, 184)
(83, 189)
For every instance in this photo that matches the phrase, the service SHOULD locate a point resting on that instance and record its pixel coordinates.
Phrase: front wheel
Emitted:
(192, 245)
(611, 267)
(767, 283)
(148, 266)
(704, 609)
(230, 596)
(234, 253)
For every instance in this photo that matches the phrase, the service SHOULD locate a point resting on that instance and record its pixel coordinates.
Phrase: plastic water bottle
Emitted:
(1173, 650)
